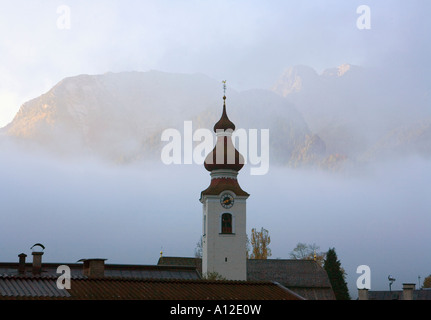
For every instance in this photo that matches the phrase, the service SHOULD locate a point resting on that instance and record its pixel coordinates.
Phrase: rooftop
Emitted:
(132, 282)
(304, 277)
(110, 270)
(422, 294)
(119, 288)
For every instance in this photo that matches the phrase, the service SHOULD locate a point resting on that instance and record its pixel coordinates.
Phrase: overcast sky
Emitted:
(249, 43)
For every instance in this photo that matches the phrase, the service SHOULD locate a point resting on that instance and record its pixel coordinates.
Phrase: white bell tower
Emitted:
(224, 238)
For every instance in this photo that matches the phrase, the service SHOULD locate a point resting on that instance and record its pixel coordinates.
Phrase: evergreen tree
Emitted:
(336, 275)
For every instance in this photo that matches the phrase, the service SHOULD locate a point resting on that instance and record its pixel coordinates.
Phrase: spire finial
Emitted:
(224, 123)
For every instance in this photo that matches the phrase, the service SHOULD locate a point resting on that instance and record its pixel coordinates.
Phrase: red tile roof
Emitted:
(178, 290)
(219, 185)
(109, 288)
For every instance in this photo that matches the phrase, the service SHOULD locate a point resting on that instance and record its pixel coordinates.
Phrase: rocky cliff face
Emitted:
(356, 110)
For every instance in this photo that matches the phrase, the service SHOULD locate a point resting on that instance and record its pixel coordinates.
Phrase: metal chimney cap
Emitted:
(38, 247)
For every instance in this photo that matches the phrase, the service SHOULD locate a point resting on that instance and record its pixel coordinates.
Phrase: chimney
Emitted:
(94, 268)
(37, 257)
(21, 264)
(37, 262)
(408, 289)
(363, 294)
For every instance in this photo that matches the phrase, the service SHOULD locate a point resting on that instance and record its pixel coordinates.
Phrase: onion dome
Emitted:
(224, 123)
(224, 161)
(224, 155)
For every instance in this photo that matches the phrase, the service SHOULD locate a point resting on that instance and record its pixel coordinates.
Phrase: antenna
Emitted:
(391, 280)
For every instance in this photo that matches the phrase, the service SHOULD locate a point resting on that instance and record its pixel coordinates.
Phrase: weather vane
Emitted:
(224, 86)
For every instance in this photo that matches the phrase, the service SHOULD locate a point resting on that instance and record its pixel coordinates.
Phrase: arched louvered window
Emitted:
(226, 223)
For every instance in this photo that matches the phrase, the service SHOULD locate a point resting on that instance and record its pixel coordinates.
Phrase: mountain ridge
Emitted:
(120, 116)
(321, 120)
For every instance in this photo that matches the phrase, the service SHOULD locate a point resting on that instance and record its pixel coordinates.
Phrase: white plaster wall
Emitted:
(217, 247)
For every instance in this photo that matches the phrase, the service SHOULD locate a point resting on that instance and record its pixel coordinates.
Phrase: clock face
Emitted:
(226, 200)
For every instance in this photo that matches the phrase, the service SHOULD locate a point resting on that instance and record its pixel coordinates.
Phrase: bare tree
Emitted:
(304, 251)
(198, 249)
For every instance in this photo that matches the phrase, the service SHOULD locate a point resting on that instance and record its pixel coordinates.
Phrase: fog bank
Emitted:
(83, 208)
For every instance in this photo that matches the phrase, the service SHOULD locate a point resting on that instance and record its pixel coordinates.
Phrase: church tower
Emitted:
(224, 237)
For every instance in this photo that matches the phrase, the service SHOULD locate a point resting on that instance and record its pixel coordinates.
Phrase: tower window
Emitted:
(226, 223)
